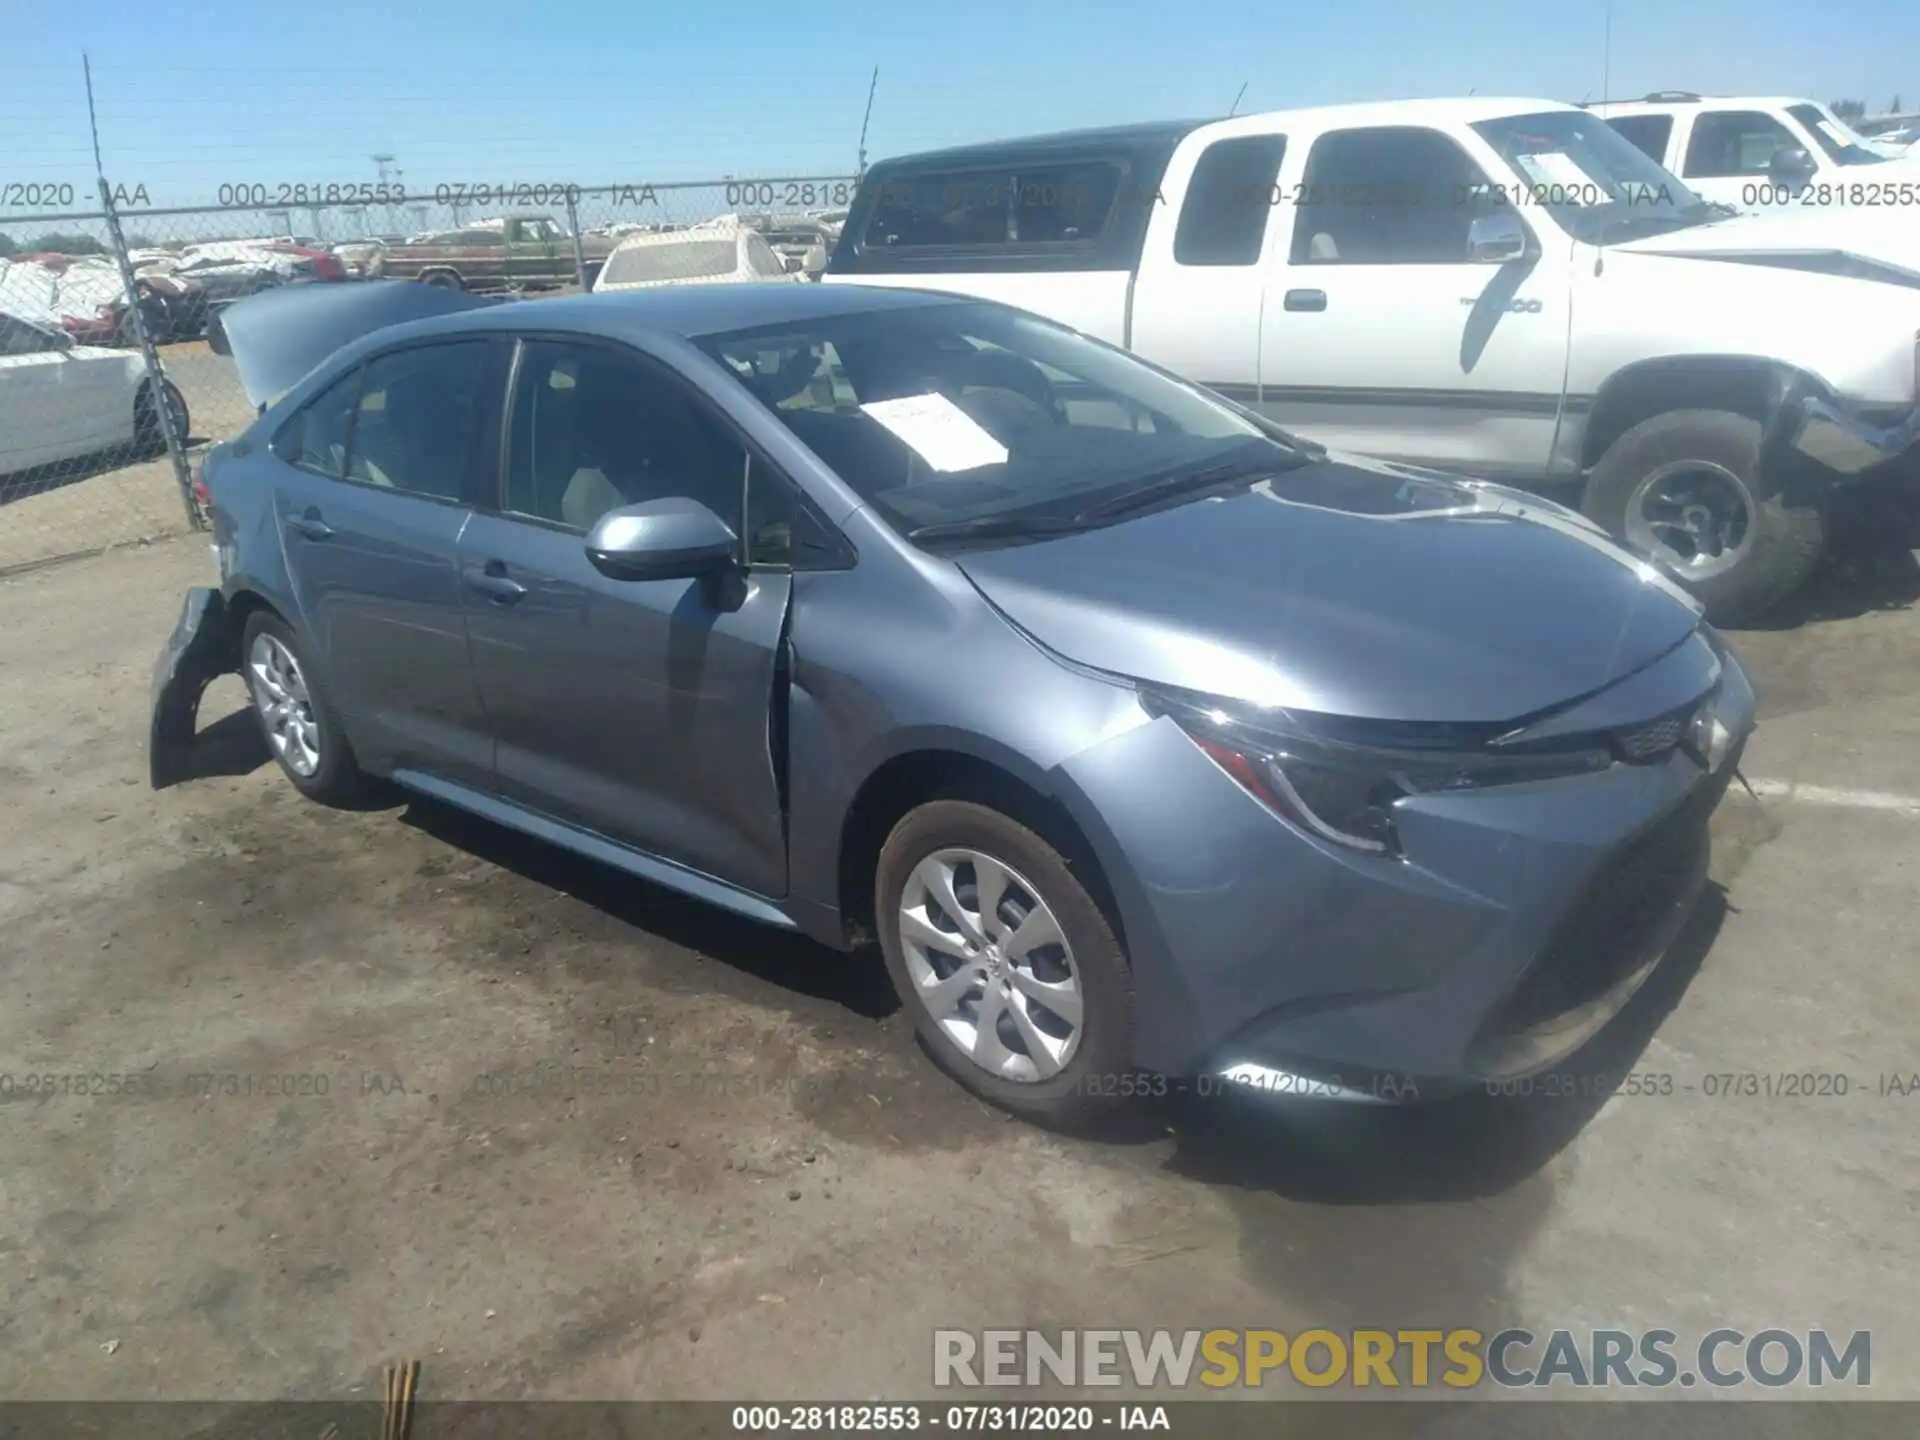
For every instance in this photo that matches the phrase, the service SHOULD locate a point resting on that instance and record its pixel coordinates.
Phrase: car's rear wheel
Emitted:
(1687, 488)
(301, 727)
(442, 280)
(1013, 975)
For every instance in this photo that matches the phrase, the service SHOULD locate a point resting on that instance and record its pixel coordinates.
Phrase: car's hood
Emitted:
(1861, 241)
(1350, 587)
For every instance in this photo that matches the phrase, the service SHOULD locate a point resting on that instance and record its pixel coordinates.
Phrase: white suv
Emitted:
(1762, 153)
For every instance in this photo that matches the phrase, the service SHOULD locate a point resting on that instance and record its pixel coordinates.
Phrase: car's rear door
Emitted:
(375, 482)
(640, 710)
(50, 406)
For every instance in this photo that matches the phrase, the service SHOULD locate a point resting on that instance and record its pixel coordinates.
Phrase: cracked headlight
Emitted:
(1339, 779)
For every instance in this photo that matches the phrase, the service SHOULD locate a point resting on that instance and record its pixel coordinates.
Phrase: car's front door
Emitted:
(1380, 334)
(640, 710)
(375, 483)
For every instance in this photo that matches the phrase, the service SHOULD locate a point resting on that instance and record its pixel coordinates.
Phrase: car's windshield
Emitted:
(1598, 186)
(1831, 134)
(974, 415)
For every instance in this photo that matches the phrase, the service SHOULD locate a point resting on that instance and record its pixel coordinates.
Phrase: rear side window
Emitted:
(419, 418)
(1037, 205)
(316, 438)
(1646, 133)
(1224, 218)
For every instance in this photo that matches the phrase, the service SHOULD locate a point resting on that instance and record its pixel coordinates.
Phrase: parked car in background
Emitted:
(719, 253)
(514, 252)
(803, 242)
(1502, 287)
(1761, 153)
(63, 401)
(1148, 739)
(205, 277)
(1891, 135)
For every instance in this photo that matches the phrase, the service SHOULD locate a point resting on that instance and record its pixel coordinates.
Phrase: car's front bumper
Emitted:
(203, 645)
(1522, 919)
(1853, 442)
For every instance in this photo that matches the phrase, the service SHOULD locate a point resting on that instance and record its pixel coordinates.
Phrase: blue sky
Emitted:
(194, 95)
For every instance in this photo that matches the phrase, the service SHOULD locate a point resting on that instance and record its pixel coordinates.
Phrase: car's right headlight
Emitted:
(1339, 780)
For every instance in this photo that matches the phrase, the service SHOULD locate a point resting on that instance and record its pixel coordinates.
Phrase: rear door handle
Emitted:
(1306, 300)
(492, 581)
(310, 525)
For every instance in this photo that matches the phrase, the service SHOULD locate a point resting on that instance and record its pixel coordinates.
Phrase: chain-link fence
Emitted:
(108, 388)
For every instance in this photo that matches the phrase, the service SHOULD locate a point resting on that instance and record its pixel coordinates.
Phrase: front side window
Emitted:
(1728, 143)
(962, 412)
(1395, 195)
(592, 429)
(417, 424)
(1223, 220)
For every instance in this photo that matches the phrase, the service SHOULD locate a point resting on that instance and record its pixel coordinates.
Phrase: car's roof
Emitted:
(687, 311)
(1703, 102)
(1466, 109)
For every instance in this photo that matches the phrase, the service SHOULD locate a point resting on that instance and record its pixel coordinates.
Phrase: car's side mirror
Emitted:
(670, 539)
(1791, 166)
(1497, 238)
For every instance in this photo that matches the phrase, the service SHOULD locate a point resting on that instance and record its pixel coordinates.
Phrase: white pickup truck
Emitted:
(1505, 288)
(1766, 152)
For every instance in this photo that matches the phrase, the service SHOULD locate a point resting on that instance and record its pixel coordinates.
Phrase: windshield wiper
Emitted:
(1185, 482)
(997, 527)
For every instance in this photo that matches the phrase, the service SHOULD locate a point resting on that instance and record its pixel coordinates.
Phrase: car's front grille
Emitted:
(1654, 738)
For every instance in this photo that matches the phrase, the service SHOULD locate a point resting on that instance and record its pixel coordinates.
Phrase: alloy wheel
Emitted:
(280, 694)
(991, 963)
(1698, 516)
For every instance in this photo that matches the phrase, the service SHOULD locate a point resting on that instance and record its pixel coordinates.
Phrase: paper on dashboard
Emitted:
(938, 431)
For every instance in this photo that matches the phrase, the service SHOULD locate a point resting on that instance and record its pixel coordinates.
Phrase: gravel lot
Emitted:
(801, 1235)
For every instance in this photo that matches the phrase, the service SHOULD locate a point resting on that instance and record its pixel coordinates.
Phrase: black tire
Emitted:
(337, 779)
(148, 433)
(1784, 541)
(1089, 1087)
(443, 280)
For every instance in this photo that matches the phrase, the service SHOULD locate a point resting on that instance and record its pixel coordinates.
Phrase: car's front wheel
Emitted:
(1687, 487)
(1012, 973)
(302, 728)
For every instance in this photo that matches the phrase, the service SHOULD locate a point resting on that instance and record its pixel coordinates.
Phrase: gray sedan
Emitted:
(1158, 748)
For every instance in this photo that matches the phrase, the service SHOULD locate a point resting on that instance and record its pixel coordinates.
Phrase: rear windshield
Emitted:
(677, 260)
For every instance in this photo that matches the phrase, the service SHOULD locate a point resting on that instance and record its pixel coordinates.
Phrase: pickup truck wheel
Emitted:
(1014, 979)
(442, 280)
(1687, 488)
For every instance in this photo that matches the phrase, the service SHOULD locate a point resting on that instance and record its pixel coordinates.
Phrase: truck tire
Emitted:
(1687, 487)
(443, 280)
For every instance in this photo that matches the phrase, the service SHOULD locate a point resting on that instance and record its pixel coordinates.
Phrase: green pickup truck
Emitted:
(513, 252)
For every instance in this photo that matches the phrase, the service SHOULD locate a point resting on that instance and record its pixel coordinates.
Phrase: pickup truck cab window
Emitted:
(1735, 143)
(1223, 220)
(1390, 195)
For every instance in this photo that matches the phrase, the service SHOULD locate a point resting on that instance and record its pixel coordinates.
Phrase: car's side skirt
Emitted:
(592, 846)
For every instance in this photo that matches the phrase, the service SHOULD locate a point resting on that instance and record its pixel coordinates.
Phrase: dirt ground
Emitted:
(487, 1150)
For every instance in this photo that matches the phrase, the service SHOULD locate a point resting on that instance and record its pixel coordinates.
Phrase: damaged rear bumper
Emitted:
(203, 646)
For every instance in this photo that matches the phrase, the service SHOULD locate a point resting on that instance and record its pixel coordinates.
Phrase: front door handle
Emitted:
(310, 525)
(1306, 300)
(492, 581)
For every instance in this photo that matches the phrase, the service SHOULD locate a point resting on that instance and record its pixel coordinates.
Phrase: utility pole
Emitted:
(872, 85)
(383, 161)
(1606, 58)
